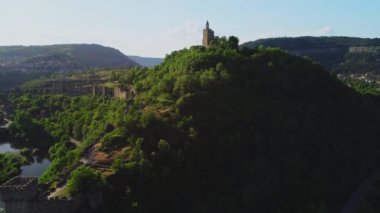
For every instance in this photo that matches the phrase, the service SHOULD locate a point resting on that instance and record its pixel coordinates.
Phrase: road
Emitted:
(75, 142)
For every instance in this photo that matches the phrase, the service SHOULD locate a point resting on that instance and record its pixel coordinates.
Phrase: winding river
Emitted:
(36, 166)
(38, 163)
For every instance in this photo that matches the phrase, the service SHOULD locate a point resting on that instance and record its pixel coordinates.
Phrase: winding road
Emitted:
(75, 142)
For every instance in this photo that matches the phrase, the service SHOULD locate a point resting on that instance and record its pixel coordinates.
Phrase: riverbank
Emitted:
(36, 162)
(35, 165)
(37, 159)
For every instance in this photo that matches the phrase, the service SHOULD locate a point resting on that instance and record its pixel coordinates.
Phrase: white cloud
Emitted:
(325, 31)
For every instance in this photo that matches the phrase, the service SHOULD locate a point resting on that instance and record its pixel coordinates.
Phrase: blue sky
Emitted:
(157, 27)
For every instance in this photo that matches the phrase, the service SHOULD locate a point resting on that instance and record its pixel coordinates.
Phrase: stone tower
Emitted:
(208, 35)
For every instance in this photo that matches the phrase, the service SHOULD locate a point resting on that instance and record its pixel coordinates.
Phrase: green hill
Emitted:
(67, 57)
(217, 130)
(338, 54)
(19, 64)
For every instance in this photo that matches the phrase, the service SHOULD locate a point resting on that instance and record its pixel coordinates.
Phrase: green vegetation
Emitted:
(35, 84)
(10, 164)
(338, 54)
(77, 54)
(25, 128)
(217, 130)
(364, 87)
(84, 179)
(24, 63)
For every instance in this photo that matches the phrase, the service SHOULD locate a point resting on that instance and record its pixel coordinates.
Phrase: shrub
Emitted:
(84, 179)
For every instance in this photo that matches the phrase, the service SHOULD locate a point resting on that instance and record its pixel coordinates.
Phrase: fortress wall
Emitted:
(120, 93)
(88, 202)
(19, 188)
(373, 49)
(44, 206)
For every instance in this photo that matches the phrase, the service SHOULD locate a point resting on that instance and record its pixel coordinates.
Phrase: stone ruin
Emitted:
(19, 188)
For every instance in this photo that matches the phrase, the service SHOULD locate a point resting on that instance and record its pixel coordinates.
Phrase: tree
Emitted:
(233, 42)
(84, 179)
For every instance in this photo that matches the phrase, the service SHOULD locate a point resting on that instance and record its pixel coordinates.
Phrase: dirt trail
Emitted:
(6, 126)
(75, 142)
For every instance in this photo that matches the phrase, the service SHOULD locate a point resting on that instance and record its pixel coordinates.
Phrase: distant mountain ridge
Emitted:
(61, 58)
(146, 61)
(338, 54)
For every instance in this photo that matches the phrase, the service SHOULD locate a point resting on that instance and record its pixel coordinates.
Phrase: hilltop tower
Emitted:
(208, 35)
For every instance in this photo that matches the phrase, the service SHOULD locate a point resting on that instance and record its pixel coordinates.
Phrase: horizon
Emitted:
(158, 57)
(134, 29)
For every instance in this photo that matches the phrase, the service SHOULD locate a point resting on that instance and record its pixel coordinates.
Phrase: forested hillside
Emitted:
(337, 54)
(214, 130)
(19, 64)
(66, 57)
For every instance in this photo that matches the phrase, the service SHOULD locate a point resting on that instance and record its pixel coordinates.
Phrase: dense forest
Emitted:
(220, 129)
(337, 54)
(10, 164)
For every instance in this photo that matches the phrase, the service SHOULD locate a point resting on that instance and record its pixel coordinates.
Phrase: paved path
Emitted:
(75, 142)
(353, 203)
(6, 126)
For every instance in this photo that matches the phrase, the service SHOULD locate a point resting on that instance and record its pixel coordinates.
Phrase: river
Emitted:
(36, 166)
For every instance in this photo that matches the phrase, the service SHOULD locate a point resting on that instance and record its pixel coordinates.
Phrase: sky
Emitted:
(157, 27)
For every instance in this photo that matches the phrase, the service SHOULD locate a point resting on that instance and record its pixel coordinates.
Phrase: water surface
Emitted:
(35, 168)
(6, 147)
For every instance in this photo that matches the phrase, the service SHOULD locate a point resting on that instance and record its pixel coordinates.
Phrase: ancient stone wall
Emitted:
(19, 188)
(120, 93)
(20, 195)
(87, 202)
(40, 206)
(371, 49)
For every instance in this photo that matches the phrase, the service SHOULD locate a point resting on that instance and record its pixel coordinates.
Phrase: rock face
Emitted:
(22, 195)
(337, 54)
